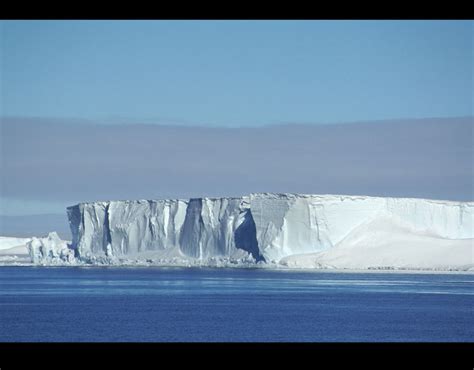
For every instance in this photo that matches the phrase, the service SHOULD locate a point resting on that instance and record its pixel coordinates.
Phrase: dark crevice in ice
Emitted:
(107, 234)
(76, 219)
(191, 231)
(245, 237)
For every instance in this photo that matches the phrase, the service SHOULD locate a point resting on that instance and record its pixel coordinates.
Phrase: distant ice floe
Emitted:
(268, 230)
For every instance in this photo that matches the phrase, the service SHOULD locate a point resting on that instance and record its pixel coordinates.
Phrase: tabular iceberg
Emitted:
(290, 229)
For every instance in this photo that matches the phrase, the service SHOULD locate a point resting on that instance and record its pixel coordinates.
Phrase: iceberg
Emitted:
(333, 231)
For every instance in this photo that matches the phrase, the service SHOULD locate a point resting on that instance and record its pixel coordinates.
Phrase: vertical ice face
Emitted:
(266, 226)
(200, 228)
(126, 226)
(138, 226)
(210, 226)
(89, 227)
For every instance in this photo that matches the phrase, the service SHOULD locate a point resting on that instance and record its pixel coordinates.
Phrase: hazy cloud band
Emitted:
(52, 161)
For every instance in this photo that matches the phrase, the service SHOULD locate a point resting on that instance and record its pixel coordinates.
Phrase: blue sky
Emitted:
(236, 73)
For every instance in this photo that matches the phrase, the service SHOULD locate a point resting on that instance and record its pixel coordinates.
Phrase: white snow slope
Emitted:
(13, 250)
(7, 242)
(295, 230)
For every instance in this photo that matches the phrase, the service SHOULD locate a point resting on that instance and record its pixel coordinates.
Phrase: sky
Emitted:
(94, 110)
(236, 73)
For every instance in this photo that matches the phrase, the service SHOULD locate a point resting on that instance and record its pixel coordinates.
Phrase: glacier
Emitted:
(268, 229)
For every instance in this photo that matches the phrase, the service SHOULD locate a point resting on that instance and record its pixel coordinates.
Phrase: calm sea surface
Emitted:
(192, 304)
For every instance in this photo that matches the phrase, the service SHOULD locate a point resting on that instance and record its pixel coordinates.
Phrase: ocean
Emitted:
(158, 304)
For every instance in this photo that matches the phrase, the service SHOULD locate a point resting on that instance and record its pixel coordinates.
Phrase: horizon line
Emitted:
(185, 124)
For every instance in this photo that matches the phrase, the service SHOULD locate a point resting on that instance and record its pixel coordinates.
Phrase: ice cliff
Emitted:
(262, 227)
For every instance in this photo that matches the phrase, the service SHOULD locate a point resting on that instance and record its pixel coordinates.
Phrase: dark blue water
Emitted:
(174, 304)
